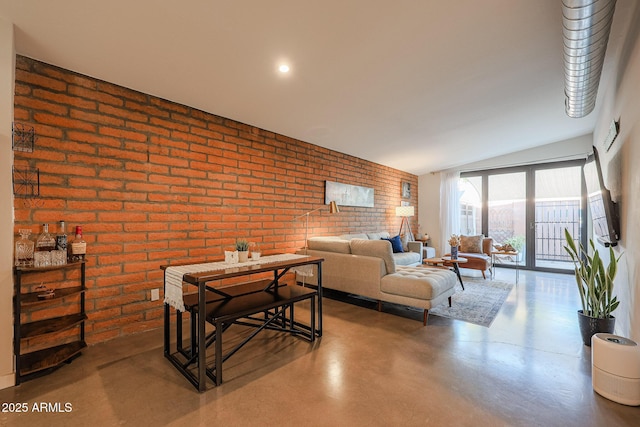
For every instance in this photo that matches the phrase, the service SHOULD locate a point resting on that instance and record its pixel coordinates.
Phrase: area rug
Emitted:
(479, 303)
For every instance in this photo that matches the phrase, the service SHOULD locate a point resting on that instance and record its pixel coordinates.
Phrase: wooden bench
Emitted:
(242, 305)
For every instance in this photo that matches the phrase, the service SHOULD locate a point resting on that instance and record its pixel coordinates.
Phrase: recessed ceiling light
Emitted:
(283, 68)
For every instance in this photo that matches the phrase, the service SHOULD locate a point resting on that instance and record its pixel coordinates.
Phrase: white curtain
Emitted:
(449, 208)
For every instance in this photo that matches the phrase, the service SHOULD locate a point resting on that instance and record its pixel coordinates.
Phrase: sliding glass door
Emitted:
(507, 202)
(527, 207)
(558, 195)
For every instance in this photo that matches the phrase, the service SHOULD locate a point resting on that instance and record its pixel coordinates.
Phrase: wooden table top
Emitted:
(240, 270)
(442, 260)
(459, 260)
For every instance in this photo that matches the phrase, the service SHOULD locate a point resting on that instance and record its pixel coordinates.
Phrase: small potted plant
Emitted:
(595, 284)
(242, 246)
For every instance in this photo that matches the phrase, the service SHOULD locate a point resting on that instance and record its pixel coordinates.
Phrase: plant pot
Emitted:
(590, 326)
(454, 252)
(243, 256)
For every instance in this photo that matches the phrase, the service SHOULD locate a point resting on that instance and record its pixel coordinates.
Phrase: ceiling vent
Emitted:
(585, 29)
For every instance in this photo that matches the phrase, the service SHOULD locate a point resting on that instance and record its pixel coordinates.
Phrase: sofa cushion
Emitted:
(471, 244)
(330, 245)
(379, 235)
(418, 282)
(375, 248)
(362, 236)
(404, 238)
(396, 244)
(407, 258)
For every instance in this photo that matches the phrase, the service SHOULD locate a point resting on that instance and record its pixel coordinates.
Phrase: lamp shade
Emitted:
(333, 207)
(405, 211)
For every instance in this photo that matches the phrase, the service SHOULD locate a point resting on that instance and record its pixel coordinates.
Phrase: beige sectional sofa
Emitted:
(368, 267)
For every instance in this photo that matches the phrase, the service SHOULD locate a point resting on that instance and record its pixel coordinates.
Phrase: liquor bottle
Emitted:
(61, 238)
(78, 246)
(24, 249)
(45, 241)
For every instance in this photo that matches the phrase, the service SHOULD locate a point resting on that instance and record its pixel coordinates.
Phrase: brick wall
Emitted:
(153, 182)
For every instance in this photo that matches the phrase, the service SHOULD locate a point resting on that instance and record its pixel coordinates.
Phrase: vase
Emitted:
(454, 252)
(243, 256)
(231, 257)
(590, 326)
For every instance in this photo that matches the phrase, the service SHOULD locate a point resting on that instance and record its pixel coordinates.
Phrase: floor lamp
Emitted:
(333, 208)
(405, 212)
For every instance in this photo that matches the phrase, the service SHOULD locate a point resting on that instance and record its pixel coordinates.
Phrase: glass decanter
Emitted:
(24, 249)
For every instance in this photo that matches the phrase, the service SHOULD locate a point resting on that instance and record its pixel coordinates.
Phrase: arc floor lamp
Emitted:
(333, 209)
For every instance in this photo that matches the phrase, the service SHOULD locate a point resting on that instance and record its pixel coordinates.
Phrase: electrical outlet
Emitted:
(155, 294)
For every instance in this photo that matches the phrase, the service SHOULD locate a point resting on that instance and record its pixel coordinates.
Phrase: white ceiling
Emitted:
(418, 85)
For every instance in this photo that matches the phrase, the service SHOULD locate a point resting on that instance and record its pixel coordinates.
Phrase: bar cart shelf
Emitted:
(36, 363)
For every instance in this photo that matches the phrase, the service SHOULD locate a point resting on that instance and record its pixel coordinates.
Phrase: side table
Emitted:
(498, 254)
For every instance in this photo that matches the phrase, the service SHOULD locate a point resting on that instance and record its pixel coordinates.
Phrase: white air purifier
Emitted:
(615, 369)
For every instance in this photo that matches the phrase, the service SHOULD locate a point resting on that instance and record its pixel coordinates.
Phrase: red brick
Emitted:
(76, 170)
(75, 183)
(122, 133)
(148, 109)
(122, 113)
(101, 97)
(119, 301)
(171, 161)
(121, 154)
(184, 136)
(95, 118)
(189, 173)
(192, 120)
(143, 127)
(169, 124)
(62, 98)
(147, 188)
(92, 138)
(64, 75)
(122, 175)
(94, 205)
(40, 80)
(119, 195)
(122, 217)
(185, 154)
(168, 105)
(40, 105)
(93, 160)
(63, 122)
(120, 91)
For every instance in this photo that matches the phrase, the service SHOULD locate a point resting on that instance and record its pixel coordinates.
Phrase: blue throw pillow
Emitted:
(396, 244)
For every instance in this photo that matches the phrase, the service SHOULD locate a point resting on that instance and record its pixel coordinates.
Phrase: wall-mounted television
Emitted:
(604, 212)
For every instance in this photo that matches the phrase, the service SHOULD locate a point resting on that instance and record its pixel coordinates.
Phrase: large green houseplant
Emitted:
(595, 284)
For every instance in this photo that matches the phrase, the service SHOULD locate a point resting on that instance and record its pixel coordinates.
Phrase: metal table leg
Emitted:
(457, 270)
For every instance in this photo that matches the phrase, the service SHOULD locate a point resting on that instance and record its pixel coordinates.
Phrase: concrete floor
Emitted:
(528, 369)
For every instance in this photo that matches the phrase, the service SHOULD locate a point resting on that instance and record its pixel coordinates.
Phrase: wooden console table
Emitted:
(225, 306)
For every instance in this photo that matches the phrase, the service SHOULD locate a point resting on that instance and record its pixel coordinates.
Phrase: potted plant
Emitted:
(242, 246)
(595, 284)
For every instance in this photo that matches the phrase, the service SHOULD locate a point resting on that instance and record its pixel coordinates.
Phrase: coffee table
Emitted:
(437, 262)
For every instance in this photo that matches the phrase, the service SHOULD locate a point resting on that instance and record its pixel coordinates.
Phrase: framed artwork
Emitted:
(348, 195)
(406, 190)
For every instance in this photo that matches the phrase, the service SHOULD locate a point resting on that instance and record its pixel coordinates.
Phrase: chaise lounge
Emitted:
(369, 268)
